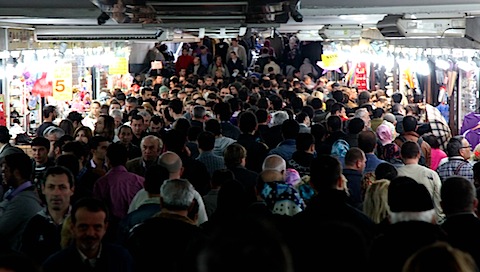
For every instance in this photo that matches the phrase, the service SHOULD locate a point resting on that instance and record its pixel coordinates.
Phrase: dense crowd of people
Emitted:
(218, 171)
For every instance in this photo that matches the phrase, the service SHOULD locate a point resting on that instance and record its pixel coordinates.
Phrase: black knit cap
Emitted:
(406, 195)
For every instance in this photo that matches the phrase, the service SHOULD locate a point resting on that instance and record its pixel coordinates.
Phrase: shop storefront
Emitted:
(68, 75)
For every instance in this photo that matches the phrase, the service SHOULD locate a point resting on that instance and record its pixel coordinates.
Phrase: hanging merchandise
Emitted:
(361, 76)
(357, 76)
(42, 86)
(439, 125)
(467, 110)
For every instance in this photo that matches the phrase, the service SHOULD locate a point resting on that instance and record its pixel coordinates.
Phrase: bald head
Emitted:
(274, 162)
(172, 162)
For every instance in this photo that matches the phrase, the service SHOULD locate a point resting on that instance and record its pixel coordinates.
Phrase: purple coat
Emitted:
(469, 122)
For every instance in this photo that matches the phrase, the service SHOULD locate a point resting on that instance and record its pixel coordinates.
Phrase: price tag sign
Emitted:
(118, 67)
(330, 60)
(62, 82)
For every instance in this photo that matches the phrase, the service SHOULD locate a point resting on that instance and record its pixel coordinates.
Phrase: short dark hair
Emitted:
(20, 162)
(457, 194)
(59, 170)
(355, 125)
(316, 103)
(117, 154)
(41, 141)
(290, 129)
(386, 170)
(69, 161)
(353, 155)
(92, 205)
(95, 141)
(234, 154)
(79, 149)
(300, 118)
(247, 122)
(48, 109)
(397, 98)
(213, 126)
(325, 171)
(454, 146)
(155, 175)
(367, 140)
(75, 116)
(176, 105)
(262, 115)
(409, 123)
(334, 122)
(304, 141)
(206, 141)
(432, 140)
(409, 150)
(224, 111)
(193, 132)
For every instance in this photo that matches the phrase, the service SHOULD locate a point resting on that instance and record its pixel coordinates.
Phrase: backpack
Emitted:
(423, 160)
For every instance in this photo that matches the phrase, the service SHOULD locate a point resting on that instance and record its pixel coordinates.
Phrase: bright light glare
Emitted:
(442, 64)
(422, 68)
(465, 66)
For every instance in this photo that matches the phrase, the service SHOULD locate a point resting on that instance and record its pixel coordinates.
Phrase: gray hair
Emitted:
(54, 130)
(177, 194)
(116, 113)
(144, 114)
(279, 117)
(153, 138)
(274, 162)
(199, 111)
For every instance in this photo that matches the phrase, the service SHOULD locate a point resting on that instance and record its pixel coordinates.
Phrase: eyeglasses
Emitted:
(467, 147)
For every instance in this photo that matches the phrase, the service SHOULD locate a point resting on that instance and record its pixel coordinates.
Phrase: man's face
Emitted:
(7, 175)
(209, 81)
(101, 150)
(40, 154)
(57, 192)
(147, 95)
(99, 125)
(115, 107)
(146, 121)
(118, 121)
(137, 127)
(129, 106)
(125, 135)
(89, 229)
(155, 128)
(363, 163)
(196, 61)
(150, 150)
(466, 150)
(224, 92)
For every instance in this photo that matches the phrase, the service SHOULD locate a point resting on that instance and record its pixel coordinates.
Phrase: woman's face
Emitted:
(81, 137)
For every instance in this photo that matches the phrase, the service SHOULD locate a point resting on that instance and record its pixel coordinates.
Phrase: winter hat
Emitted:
(389, 117)
(406, 195)
(164, 89)
(292, 177)
(384, 134)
